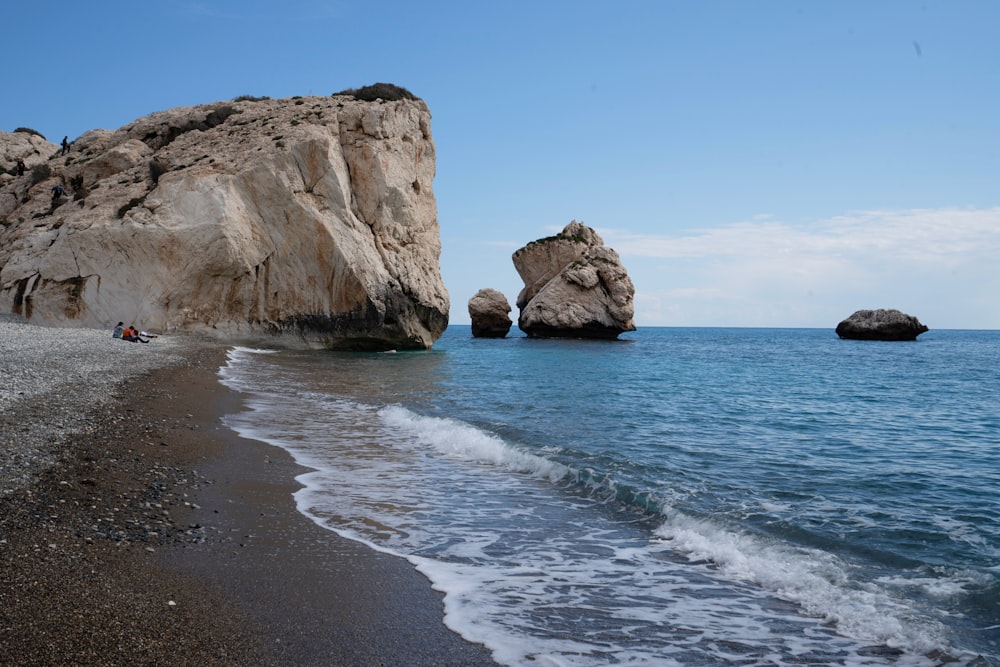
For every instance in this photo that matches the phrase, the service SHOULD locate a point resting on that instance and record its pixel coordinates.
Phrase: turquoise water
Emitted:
(680, 496)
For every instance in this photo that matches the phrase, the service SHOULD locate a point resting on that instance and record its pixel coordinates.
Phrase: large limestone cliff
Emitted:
(310, 219)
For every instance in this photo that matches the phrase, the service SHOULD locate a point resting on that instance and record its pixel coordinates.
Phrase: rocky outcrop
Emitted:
(311, 219)
(880, 324)
(489, 309)
(26, 145)
(574, 287)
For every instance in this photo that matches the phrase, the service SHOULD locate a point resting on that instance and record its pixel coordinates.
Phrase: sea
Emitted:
(679, 496)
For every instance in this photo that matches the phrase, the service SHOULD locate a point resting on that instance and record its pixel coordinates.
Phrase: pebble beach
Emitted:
(55, 380)
(83, 514)
(136, 529)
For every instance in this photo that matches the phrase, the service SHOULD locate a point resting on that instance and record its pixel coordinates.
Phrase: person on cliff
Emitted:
(58, 192)
(65, 145)
(118, 331)
(20, 167)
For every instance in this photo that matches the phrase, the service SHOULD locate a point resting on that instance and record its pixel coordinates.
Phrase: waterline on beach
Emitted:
(551, 545)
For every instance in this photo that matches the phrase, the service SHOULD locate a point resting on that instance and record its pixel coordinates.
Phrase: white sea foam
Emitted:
(235, 373)
(239, 352)
(774, 507)
(462, 440)
(958, 583)
(817, 580)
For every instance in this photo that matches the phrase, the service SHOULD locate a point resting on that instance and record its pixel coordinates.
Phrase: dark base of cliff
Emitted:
(595, 332)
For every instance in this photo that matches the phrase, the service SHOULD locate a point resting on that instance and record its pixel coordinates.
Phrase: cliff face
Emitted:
(310, 219)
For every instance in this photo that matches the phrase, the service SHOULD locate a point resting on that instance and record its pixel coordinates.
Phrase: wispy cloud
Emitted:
(943, 235)
(940, 263)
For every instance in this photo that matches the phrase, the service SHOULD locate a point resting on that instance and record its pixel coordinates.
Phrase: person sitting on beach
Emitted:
(119, 330)
(132, 334)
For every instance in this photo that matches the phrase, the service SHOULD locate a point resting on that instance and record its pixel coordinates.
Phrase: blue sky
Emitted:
(755, 163)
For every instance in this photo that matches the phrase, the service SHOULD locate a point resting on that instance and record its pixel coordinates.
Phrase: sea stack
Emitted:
(574, 287)
(882, 324)
(488, 310)
(309, 219)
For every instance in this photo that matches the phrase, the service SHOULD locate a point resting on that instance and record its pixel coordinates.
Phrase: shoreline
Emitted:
(159, 536)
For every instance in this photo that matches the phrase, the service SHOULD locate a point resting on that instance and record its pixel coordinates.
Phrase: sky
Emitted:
(758, 163)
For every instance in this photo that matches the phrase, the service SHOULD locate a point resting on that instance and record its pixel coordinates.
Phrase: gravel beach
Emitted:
(136, 529)
(54, 382)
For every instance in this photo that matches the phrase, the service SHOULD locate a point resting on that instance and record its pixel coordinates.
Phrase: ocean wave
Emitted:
(458, 439)
(820, 583)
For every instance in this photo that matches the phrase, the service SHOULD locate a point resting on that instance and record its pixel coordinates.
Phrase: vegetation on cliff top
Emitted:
(387, 92)
(574, 238)
(28, 130)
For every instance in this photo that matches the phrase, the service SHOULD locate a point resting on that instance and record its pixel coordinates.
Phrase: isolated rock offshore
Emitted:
(312, 219)
(488, 311)
(574, 287)
(881, 324)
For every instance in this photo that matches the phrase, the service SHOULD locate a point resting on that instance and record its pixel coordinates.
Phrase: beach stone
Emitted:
(574, 287)
(310, 219)
(882, 324)
(488, 310)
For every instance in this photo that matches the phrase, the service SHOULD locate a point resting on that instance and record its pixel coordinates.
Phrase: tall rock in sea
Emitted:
(310, 219)
(574, 287)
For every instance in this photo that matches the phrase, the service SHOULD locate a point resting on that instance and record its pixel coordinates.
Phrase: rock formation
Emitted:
(23, 144)
(880, 325)
(488, 310)
(312, 219)
(574, 287)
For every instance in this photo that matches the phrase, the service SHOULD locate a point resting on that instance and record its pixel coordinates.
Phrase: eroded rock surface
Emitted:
(312, 219)
(574, 287)
(28, 146)
(488, 309)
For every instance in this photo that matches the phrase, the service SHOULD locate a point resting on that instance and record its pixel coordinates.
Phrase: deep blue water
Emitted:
(680, 496)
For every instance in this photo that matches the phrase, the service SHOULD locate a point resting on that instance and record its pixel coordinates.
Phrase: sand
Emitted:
(158, 536)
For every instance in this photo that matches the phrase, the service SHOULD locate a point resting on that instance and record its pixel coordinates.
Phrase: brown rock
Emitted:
(489, 309)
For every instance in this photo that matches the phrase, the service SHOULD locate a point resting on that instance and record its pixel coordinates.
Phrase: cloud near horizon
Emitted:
(937, 264)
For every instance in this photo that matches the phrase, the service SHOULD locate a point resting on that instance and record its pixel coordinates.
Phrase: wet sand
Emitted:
(161, 537)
